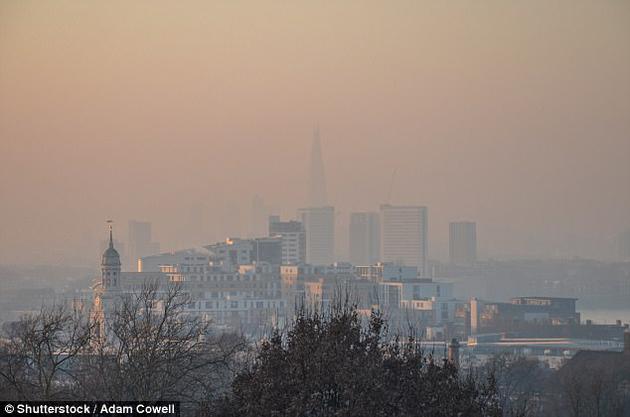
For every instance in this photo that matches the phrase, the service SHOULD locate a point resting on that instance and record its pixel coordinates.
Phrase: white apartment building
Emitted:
(245, 298)
(191, 258)
(427, 301)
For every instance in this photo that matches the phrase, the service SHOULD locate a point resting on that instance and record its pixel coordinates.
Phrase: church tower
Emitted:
(110, 265)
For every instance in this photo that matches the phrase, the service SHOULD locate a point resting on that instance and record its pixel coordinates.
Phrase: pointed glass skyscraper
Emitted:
(318, 218)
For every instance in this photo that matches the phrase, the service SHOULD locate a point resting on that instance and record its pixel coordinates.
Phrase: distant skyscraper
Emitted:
(293, 239)
(259, 216)
(404, 236)
(140, 242)
(319, 223)
(623, 246)
(317, 178)
(463, 243)
(365, 238)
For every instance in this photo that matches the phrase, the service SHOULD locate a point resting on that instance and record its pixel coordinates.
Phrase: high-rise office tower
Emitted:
(258, 218)
(404, 236)
(623, 246)
(319, 224)
(140, 242)
(293, 239)
(462, 243)
(317, 178)
(365, 238)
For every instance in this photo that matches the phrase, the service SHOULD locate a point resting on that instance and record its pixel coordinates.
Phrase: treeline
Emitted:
(329, 364)
(326, 363)
(146, 348)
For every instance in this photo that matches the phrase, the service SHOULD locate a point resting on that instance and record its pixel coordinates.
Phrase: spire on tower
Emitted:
(110, 258)
(111, 238)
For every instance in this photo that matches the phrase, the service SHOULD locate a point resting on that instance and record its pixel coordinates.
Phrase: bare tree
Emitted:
(153, 350)
(520, 383)
(36, 361)
(594, 389)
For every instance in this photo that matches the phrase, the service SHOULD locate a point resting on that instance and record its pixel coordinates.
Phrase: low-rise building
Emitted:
(387, 271)
(496, 316)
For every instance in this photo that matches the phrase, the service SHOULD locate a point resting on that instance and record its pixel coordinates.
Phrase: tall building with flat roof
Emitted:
(404, 236)
(293, 239)
(623, 246)
(140, 242)
(365, 238)
(319, 224)
(463, 243)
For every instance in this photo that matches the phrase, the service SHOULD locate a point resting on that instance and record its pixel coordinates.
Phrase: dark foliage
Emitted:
(329, 364)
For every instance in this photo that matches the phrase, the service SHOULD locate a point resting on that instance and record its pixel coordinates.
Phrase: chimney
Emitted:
(626, 342)
(453, 352)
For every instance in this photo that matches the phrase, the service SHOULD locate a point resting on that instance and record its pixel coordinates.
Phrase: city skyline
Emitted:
(249, 208)
(511, 115)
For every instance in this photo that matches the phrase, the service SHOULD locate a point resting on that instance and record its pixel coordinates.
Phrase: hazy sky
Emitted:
(512, 114)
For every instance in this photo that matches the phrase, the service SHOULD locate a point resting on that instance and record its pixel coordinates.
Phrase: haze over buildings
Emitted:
(317, 177)
(140, 243)
(463, 243)
(259, 217)
(510, 113)
(288, 155)
(404, 236)
(365, 238)
(319, 224)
